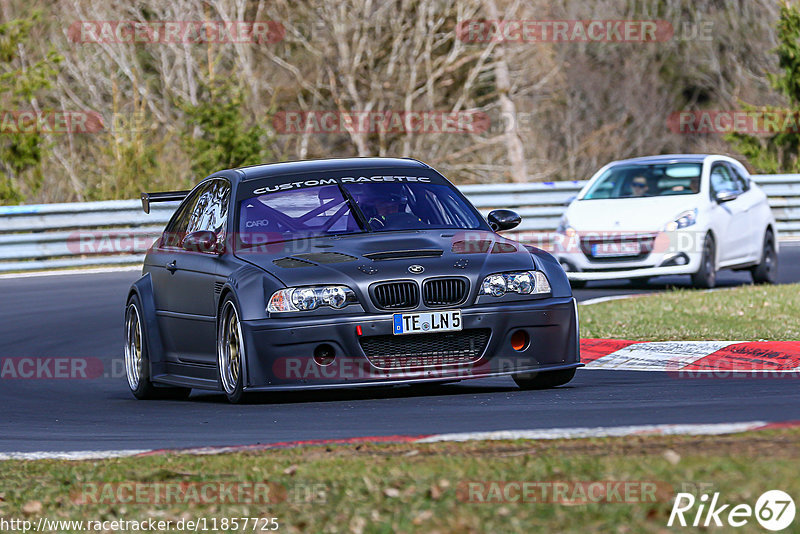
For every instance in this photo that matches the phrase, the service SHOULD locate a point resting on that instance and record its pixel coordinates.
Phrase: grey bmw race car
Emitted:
(339, 273)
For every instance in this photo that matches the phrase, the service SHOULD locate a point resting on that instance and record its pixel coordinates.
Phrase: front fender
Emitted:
(143, 288)
(250, 287)
(253, 287)
(559, 283)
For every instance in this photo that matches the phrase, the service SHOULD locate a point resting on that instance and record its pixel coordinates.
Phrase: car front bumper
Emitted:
(672, 254)
(280, 352)
(637, 272)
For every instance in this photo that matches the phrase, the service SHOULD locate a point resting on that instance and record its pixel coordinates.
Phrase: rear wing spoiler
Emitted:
(169, 196)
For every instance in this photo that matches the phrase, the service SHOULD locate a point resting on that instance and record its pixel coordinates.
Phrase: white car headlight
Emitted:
(687, 218)
(521, 283)
(294, 299)
(564, 227)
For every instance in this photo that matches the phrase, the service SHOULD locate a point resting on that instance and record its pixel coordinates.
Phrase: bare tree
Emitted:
(557, 110)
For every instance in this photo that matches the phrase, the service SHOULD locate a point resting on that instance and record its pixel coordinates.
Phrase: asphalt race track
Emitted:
(81, 316)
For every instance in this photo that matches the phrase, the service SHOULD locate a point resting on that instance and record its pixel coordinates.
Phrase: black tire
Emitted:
(544, 380)
(137, 359)
(706, 275)
(766, 272)
(230, 352)
(577, 284)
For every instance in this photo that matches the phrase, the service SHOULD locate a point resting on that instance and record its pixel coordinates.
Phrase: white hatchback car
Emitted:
(666, 215)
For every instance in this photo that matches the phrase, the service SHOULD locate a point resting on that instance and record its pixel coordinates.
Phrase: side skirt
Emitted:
(187, 375)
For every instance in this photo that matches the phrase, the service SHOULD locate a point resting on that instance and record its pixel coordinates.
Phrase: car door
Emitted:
(186, 279)
(754, 206)
(728, 218)
(159, 266)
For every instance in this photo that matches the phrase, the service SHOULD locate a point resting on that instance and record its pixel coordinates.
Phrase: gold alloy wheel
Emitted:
(229, 348)
(133, 347)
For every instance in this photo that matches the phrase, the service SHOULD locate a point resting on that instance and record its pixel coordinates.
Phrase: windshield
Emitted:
(412, 206)
(296, 214)
(630, 181)
(326, 210)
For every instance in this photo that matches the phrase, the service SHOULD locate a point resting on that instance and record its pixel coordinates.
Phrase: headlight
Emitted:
(522, 283)
(687, 218)
(294, 299)
(564, 227)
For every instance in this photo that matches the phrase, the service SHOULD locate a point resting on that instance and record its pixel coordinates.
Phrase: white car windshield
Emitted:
(654, 180)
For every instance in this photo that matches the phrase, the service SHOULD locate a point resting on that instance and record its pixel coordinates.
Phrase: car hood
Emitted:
(647, 214)
(373, 257)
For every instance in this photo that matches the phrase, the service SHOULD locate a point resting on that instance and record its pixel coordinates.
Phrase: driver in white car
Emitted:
(639, 186)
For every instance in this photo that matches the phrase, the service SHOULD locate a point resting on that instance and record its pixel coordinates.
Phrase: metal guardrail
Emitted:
(117, 232)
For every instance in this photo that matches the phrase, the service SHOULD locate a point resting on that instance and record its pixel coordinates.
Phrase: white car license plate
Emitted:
(428, 322)
(616, 248)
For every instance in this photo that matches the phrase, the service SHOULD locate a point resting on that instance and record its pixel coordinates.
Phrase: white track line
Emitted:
(71, 455)
(600, 432)
(598, 300)
(711, 429)
(98, 270)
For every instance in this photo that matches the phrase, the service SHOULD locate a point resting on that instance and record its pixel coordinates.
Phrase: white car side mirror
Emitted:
(726, 196)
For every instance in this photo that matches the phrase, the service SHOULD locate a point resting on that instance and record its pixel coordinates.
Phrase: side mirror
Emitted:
(501, 220)
(570, 200)
(200, 241)
(726, 196)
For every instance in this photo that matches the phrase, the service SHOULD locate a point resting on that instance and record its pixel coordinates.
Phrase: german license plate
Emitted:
(616, 248)
(428, 322)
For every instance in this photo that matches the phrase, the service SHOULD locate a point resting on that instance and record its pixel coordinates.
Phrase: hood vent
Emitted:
(503, 248)
(325, 257)
(404, 254)
(292, 263)
(472, 246)
(311, 259)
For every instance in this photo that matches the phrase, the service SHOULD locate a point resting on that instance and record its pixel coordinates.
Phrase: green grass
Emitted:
(414, 487)
(742, 313)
